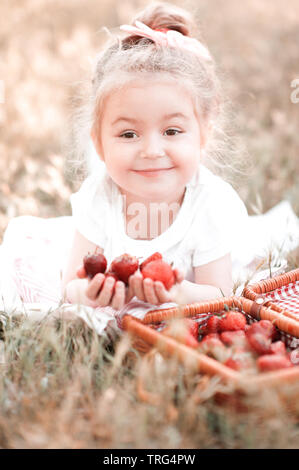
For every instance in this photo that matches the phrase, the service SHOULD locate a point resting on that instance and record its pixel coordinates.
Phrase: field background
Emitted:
(46, 47)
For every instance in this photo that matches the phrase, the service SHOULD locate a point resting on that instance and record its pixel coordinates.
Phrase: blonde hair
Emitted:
(124, 60)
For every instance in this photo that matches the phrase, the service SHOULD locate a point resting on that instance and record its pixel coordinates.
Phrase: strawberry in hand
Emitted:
(103, 288)
(153, 281)
(154, 257)
(94, 263)
(152, 291)
(157, 269)
(124, 266)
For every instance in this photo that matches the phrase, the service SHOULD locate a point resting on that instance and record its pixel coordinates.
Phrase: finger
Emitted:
(137, 284)
(161, 293)
(94, 286)
(106, 293)
(81, 273)
(118, 300)
(149, 291)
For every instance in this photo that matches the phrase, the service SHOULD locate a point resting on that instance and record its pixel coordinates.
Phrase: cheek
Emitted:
(116, 164)
(187, 153)
(188, 160)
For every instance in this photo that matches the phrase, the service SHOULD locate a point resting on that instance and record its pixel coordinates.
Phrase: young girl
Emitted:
(156, 101)
(154, 111)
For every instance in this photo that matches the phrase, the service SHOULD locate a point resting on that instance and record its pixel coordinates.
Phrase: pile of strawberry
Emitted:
(122, 267)
(229, 339)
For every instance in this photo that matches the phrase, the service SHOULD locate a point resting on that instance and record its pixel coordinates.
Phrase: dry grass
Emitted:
(62, 387)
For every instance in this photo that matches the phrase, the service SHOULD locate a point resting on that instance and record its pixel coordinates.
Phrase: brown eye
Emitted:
(128, 135)
(173, 131)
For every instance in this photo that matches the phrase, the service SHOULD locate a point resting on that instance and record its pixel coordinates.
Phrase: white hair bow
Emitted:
(169, 38)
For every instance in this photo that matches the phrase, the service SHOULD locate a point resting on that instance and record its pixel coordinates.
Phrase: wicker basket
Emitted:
(281, 293)
(148, 335)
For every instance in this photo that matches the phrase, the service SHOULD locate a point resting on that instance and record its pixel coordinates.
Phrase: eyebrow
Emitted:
(134, 121)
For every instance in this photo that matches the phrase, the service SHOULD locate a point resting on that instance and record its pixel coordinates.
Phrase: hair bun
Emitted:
(164, 15)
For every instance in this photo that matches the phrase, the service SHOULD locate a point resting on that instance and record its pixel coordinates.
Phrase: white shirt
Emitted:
(209, 223)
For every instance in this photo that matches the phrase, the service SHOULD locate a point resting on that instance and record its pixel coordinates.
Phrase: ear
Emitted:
(205, 133)
(96, 142)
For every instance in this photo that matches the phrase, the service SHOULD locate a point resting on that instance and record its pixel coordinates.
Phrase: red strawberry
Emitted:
(212, 325)
(260, 343)
(94, 264)
(241, 360)
(180, 332)
(159, 271)
(232, 321)
(184, 337)
(237, 338)
(124, 266)
(211, 340)
(192, 327)
(210, 336)
(153, 257)
(212, 345)
(278, 348)
(270, 362)
(264, 327)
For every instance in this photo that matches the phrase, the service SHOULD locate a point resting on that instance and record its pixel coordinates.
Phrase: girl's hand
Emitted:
(103, 291)
(151, 291)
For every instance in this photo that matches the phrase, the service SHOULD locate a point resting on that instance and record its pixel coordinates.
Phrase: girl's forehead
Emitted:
(155, 94)
(152, 85)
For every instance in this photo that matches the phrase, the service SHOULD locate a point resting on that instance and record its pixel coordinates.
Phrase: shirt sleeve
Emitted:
(219, 225)
(89, 210)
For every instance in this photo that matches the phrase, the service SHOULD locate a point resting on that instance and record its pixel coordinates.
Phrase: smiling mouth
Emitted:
(154, 173)
(152, 170)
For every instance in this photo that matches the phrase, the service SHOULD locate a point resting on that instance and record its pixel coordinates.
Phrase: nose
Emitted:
(152, 147)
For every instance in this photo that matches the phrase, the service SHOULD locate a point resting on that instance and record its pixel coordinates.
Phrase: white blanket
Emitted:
(35, 250)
